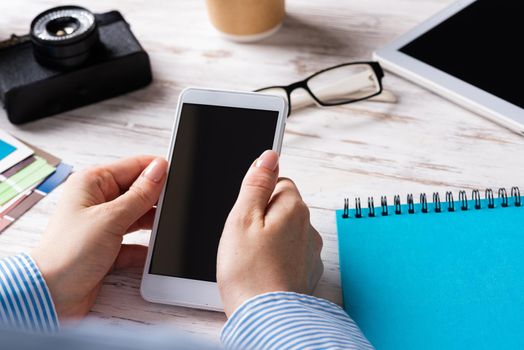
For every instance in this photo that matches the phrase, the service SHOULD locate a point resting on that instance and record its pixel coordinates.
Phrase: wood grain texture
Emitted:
(423, 143)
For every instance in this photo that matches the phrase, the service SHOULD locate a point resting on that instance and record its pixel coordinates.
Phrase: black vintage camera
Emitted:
(70, 58)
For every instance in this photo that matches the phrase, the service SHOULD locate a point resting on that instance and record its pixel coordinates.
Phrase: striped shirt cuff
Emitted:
(285, 320)
(25, 301)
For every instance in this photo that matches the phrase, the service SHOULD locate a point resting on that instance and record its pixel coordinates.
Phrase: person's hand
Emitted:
(268, 243)
(83, 241)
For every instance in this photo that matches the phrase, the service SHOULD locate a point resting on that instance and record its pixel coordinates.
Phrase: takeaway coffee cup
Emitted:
(246, 20)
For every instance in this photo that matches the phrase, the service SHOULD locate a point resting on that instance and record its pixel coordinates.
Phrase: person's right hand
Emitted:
(83, 241)
(268, 243)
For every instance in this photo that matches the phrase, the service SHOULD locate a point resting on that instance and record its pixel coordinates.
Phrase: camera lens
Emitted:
(64, 37)
(62, 26)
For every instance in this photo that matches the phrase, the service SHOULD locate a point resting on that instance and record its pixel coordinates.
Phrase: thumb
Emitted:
(259, 184)
(142, 195)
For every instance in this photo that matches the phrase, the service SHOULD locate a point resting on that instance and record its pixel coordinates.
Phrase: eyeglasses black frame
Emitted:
(375, 66)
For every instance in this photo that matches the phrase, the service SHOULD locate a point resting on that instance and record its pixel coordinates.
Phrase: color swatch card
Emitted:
(6, 149)
(436, 276)
(12, 151)
(28, 175)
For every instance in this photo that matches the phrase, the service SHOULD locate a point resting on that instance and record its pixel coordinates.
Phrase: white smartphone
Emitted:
(216, 137)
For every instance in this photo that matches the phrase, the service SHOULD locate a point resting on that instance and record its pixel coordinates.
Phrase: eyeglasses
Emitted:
(338, 85)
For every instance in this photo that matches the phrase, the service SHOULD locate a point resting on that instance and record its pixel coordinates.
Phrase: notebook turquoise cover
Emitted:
(436, 280)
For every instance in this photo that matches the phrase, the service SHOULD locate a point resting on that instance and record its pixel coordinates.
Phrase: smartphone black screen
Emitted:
(214, 148)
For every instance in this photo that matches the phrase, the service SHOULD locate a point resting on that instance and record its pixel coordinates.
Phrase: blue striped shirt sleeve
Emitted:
(285, 320)
(25, 301)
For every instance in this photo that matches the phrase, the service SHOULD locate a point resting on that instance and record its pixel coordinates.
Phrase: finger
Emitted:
(286, 200)
(286, 186)
(125, 171)
(145, 222)
(131, 255)
(104, 183)
(141, 196)
(258, 185)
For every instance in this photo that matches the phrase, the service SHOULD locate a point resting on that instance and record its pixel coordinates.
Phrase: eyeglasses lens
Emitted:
(344, 84)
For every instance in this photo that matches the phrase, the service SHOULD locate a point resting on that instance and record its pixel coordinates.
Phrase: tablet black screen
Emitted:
(214, 148)
(481, 45)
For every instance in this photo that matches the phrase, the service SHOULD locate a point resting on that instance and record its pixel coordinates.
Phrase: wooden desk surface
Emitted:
(421, 144)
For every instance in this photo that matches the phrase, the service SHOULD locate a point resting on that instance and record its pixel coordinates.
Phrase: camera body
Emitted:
(30, 90)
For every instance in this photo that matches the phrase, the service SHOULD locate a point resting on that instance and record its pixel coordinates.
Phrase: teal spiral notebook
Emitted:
(441, 275)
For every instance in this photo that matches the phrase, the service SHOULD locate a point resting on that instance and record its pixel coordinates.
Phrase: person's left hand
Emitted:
(83, 241)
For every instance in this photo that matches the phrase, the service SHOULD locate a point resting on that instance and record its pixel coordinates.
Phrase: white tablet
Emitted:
(471, 53)
(216, 137)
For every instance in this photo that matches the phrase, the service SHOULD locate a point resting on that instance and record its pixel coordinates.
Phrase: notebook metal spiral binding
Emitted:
(371, 207)
(476, 197)
(436, 201)
(515, 192)
(451, 202)
(396, 200)
(384, 205)
(437, 206)
(345, 215)
(423, 203)
(411, 204)
(463, 198)
(504, 196)
(358, 208)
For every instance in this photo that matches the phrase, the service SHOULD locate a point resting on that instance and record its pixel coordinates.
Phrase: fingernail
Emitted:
(155, 171)
(268, 160)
